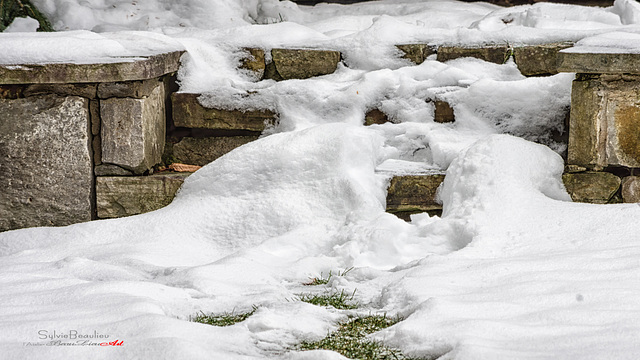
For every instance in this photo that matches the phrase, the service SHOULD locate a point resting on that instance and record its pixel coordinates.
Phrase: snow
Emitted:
(512, 269)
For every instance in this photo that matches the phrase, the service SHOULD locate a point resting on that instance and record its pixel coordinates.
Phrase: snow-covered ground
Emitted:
(512, 269)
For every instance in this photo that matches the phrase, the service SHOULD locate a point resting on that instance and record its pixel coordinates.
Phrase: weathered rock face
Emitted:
(135, 89)
(188, 112)
(130, 195)
(46, 172)
(413, 194)
(604, 128)
(302, 64)
(375, 116)
(417, 53)
(631, 189)
(494, 54)
(539, 59)
(598, 63)
(592, 187)
(133, 131)
(201, 151)
(254, 62)
(443, 112)
(61, 73)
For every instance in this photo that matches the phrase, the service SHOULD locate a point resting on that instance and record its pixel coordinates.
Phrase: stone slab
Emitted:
(83, 90)
(443, 112)
(134, 89)
(594, 187)
(188, 112)
(413, 194)
(133, 130)
(494, 54)
(417, 53)
(303, 63)
(120, 196)
(598, 63)
(46, 172)
(535, 60)
(201, 151)
(134, 68)
(631, 189)
(604, 128)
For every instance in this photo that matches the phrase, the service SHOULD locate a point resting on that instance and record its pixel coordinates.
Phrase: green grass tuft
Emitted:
(350, 340)
(325, 280)
(224, 319)
(338, 300)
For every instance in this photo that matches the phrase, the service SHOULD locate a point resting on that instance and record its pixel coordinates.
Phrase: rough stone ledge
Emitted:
(599, 63)
(497, 54)
(138, 68)
(120, 196)
(410, 194)
(594, 187)
(417, 53)
(301, 63)
(188, 112)
(536, 60)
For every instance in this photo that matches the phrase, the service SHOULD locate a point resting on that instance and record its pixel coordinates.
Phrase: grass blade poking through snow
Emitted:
(350, 340)
(339, 300)
(224, 319)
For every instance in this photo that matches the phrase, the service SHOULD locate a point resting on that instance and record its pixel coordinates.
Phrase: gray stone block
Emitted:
(201, 151)
(139, 68)
(46, 172)
(120, 196)
(133, 131)
(598, 63)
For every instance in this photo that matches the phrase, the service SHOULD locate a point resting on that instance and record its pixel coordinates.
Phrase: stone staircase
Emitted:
(119, 170)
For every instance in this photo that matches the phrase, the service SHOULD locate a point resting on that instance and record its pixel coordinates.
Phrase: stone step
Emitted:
(189, 113)
(118, 196)
(201, 151)
(411, 194)
(287, 64)
(532, 60)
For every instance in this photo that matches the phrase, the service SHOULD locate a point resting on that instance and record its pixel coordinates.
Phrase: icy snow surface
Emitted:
(512, 269)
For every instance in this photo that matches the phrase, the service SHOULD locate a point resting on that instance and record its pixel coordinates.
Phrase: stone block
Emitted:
(594, 187)
(254, 62)
(604, 128)
(119, 196)
(598, 63)
(46, 173)
(417, 53)
(133, 131)
(537, 60)
(136, 68)
(111, 170)
(413, 194)
(134, 89)
(302, 63)
(443, 112)
(631, 189)
(83, 90)
(375, 116)
(494, 54)
(201, 151)
(188, 112)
